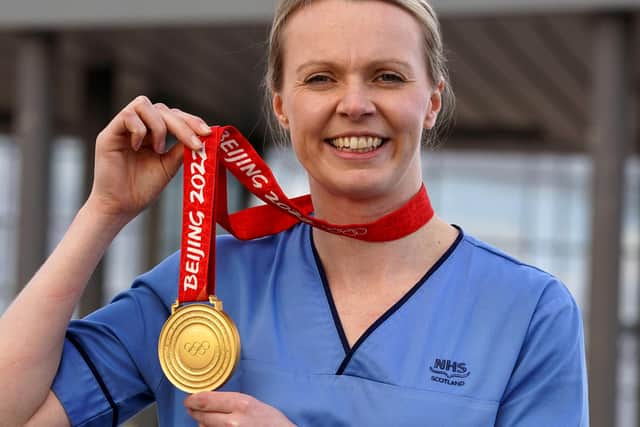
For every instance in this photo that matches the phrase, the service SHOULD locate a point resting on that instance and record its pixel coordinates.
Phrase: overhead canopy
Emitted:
(521, 81)
(90, 13)
(493, 7)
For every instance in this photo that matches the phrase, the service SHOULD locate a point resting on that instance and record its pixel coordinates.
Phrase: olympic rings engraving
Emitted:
(352, 232)
(197, 348)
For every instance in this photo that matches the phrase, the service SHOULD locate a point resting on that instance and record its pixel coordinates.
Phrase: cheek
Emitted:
(406, 111)
(305, 155)
(307, 105)
(410, 122)
(416, 114)
(307, 117)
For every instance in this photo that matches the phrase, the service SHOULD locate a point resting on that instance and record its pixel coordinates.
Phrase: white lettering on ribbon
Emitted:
(239, 157)
(194, 253)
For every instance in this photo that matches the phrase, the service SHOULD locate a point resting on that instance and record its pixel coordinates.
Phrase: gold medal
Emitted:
(199, 346)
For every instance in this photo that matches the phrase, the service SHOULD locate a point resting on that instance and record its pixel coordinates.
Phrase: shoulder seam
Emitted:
(506, 257)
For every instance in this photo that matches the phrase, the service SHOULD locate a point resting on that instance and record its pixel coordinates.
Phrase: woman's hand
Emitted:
(132, 166)
(219, 408)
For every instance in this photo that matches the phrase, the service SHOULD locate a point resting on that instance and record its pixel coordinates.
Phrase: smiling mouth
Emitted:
(356, 144)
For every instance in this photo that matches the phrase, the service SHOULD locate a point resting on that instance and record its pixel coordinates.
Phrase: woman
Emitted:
(434, 328)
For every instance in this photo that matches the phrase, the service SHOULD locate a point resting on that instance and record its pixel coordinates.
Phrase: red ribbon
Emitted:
(205, 204)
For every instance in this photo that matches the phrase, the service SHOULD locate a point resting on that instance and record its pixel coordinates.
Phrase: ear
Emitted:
(278, 108)
(435, 105)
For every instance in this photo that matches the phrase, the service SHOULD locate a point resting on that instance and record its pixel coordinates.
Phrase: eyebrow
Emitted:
(380, 63)
(314, 64)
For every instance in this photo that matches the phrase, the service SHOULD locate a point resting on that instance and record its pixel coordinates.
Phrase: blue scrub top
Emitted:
(482, 339)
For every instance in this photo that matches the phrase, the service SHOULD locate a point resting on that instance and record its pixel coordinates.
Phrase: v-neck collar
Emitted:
(350, 351)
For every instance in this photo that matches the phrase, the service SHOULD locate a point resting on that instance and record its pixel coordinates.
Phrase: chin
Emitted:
(363, 190)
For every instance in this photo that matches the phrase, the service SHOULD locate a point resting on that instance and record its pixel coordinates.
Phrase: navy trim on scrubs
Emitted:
(349, 352)
(94, 371)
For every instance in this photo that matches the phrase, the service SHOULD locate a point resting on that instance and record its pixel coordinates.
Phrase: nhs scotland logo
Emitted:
(449, 372)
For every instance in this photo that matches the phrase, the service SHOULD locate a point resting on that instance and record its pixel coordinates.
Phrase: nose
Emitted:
(356, 102)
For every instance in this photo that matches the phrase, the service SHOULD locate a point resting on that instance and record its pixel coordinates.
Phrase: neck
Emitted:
(360, 266)
(355, 264)
(343, 209)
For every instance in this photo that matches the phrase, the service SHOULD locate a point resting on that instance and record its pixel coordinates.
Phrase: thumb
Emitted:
(172, 160)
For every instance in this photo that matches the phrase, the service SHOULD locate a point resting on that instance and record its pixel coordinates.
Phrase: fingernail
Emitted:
(195, 141)
(205, 129)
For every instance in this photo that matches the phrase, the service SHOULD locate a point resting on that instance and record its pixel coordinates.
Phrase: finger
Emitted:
(212, 419)
(153, 120)
(218, 401)
(197, 124)
(172, 160)
(179, 127)
(125, 123)
(136, 128)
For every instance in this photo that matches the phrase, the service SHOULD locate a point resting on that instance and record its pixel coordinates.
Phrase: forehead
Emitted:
(350, 30)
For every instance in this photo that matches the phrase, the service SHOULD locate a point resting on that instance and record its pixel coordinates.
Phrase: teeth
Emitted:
(357, 143)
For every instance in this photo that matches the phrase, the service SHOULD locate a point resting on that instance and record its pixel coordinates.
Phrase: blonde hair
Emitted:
(433, 50)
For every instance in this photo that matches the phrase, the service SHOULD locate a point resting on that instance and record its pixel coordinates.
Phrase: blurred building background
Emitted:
(542, 162)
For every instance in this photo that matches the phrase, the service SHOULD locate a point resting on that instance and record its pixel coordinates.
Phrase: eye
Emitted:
(389, 77)
(318, 79)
